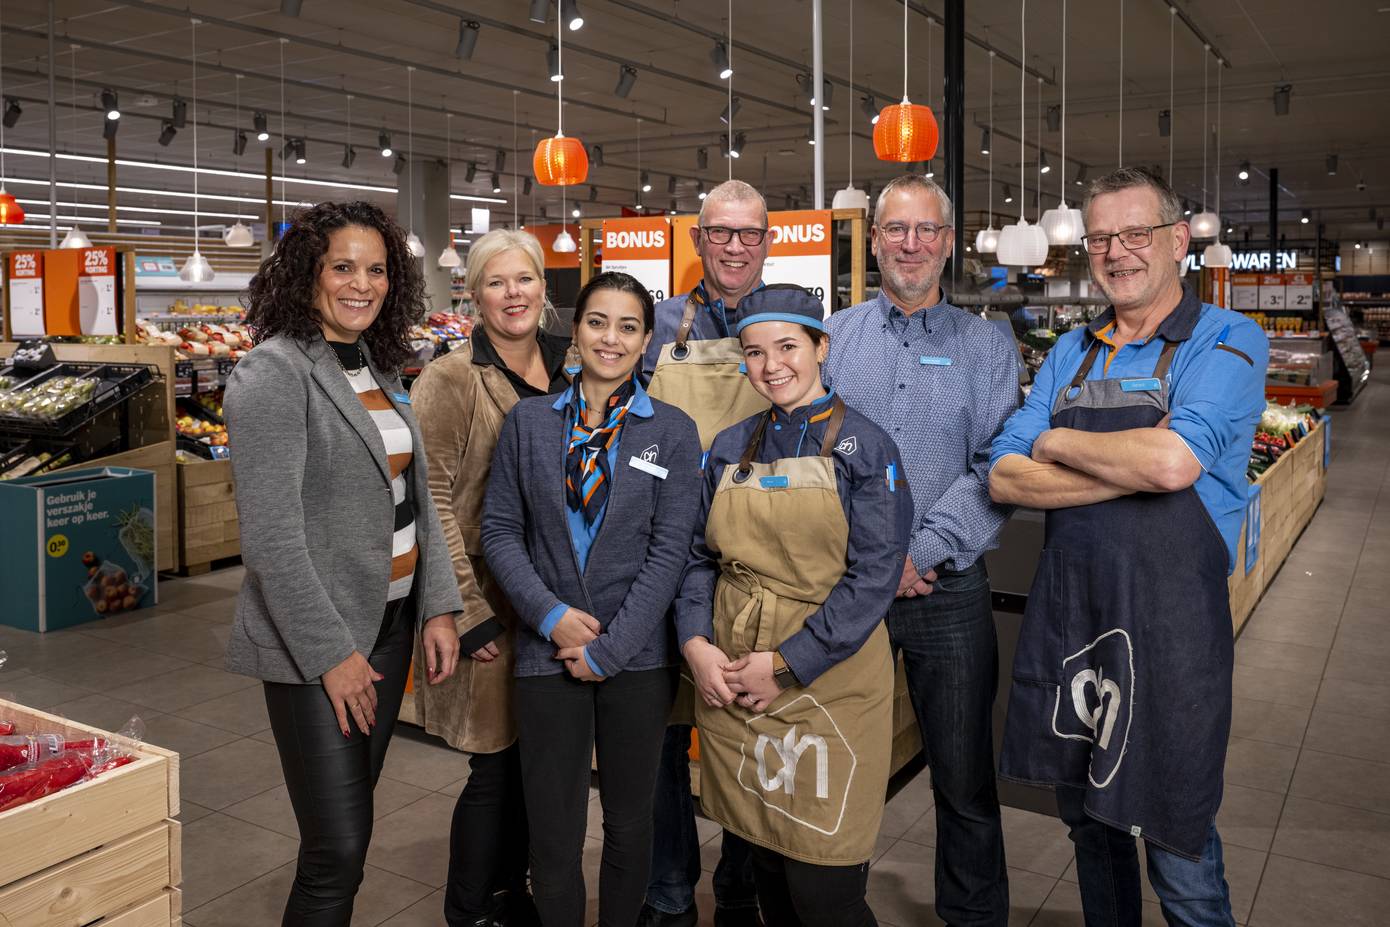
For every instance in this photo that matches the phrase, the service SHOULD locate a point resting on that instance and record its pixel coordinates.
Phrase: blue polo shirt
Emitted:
(1216, 395)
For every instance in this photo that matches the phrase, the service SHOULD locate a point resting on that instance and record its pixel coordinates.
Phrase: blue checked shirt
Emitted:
(941, 382)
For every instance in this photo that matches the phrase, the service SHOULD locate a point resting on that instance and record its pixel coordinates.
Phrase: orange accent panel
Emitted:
(685, 262)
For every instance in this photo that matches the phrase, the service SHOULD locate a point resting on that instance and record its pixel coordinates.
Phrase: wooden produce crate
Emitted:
(207, 524)
(105, 852)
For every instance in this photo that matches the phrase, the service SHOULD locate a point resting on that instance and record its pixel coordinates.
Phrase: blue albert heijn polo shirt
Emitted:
(1216, 395)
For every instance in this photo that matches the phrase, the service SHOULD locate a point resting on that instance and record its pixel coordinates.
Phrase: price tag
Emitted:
(96, 292)
(26, 294)
(1245, 291)
(1298, 291)
(1252, 527)
(1272, 291)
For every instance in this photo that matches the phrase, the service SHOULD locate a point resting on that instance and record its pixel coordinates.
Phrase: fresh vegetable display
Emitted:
(1280, 428)
(38, 764)
(47, 399)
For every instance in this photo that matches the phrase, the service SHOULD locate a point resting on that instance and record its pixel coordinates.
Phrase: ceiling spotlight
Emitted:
(552, 64)
(496, 184)
(700, 190)
(720, 56)
(12, 112)
(593, 193)
(730, 110)
(827, 94)
(1054, 118)
(1358, 246)
(984, 141)
(869, 107)
(179, 117)
(470, 172)
(1165, 123)
(575, 212)
(596, 155)
(671, 184)
(1243, 175)
(1361, 185)
(238, 143)
(109, 127)
(1043, 166)
(1080, 175)
(499, 160)
(288, 150)
(398, 166)
(1230, 230)
(383, 141)
(570, 15)
(1008, 194)
(526, 186)
(1186, 208)
(646, 183)
(290, 7)
(1281, 99)
(259, 124)
(810, 135)
(167, 131)
(349, 155)
(737, 150)
(108, 103)
(299, 156)
(468, 38)
(1331, 165)
(702, 159)
(1305, 218)
(627, 76)
(540, 11)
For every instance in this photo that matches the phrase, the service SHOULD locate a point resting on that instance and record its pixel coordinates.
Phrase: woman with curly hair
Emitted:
(345, 558)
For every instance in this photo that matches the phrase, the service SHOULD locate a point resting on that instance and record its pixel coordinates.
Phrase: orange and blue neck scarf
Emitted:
(587, 476)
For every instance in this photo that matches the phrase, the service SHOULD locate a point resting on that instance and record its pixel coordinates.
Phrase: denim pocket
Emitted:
(1042, 638)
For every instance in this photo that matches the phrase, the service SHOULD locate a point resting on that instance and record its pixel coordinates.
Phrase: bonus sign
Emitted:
(642, 248)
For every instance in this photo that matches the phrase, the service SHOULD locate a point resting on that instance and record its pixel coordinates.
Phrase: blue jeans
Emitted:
(1191, 893)
(676, 847)
(950, 653)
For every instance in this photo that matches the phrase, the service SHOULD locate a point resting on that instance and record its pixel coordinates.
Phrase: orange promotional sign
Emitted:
(685, 261)
(800, 251)
(25, 281)
(98, 307)
(642, 248)
(1245, 291)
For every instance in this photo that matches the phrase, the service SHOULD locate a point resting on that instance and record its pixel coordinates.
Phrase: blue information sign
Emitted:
(1252, 527)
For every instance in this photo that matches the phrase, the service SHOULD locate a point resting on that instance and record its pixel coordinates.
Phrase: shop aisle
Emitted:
(1306, 817)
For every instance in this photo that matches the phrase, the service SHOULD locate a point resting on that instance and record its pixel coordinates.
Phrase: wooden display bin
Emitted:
(207, 524)
(1290, 492)
(103, 853)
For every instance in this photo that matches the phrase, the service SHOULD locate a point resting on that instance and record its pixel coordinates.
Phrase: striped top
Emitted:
(395, 434)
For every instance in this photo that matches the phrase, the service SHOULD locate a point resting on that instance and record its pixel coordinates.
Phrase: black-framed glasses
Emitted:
(722, 235)
(927, 232)
(1134, 239)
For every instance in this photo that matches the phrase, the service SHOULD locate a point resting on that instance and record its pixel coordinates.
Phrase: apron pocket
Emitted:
(1042, 639)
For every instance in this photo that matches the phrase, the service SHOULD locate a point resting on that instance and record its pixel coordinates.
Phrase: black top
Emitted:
(349, 355)
(553, 348)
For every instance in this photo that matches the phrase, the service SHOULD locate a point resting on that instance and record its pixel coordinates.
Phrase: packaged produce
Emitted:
(49, 762)
(49, 398)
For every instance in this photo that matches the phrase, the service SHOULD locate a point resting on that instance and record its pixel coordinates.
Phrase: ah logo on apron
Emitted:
(1101, 686)
(806, 764)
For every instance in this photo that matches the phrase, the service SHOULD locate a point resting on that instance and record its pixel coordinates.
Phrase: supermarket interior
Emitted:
(153, 155)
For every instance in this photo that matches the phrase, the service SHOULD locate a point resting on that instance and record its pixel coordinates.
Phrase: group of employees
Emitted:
(729, 512)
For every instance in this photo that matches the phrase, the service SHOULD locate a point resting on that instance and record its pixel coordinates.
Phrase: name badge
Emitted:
(934, 361)
(1146, 385)
(402, 398)
(647, 466)
(774, 482)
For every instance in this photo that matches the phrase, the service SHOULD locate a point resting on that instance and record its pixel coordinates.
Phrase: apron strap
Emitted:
(681, 351)
(745, 463)
(1165, 359)
(832, 428)
(1087, 363)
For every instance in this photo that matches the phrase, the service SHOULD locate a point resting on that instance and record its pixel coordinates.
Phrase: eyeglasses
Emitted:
(1135, 239)
(927, 232)
(720, 235)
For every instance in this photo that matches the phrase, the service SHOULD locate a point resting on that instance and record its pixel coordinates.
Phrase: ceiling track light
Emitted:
(167, 131)
(593, 193)
(109, 128)
(526, 186)
(719, 54)
(570, 15)
(496, 184)
(398, 166)
(349, 155)
(984, 141)
(1331, 165)
(300, 156)
(1043, 166)
(470, 172)
(179, 117)
(1008, 194)
(730, 110)
(1281, 99)
(627, 77)
(671, 184)
(700, 190)
(383, 141)
(1243, 175)
(540, 11)
(290, 7)
(468, 38)
(596, 155)
(869, 107)
(1305, 218)
(499, 160)
(740, 140)
(701, 159)
(258, 122)
(646, 182)
(12, 112)
(552, 64)
(1165, 123)
(1054, 118)
(288, 150)
(238, 143)
(110, 104)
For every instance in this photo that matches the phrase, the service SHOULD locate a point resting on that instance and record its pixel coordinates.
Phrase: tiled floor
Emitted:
(1306, 818)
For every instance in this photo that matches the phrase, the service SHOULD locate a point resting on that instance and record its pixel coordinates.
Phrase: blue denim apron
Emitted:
(1122, 677)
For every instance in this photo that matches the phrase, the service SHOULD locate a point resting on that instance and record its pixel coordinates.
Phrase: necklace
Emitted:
(361, 360)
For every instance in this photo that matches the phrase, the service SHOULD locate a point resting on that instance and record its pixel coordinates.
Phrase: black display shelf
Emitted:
(114, 384)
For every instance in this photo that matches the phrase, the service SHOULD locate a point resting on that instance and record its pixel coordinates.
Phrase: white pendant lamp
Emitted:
(987, 239)
(75, 238)
(1217, 254)
(412, 241)
(1205, 224)
(851, 197)
(1021, 244)
(564, 242)
(239, 235)
(449, 258)
(1063, 225)
(196, 269)
(416, 246)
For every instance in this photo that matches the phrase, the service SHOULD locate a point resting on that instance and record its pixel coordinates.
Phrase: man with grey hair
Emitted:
(941, 382)
(1135, 440)
(695, 362)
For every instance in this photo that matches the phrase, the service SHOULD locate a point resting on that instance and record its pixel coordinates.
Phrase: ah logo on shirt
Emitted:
(848, 446)
(649, 455)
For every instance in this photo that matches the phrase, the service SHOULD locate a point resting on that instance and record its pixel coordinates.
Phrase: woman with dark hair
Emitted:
(345, 560)
(586, 527)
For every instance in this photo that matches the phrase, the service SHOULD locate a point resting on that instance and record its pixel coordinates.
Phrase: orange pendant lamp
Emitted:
(560, 161)
(906, 131)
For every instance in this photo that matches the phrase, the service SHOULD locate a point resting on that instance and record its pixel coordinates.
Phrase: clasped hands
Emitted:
(351, 685)
(721, 681)
(575, 629)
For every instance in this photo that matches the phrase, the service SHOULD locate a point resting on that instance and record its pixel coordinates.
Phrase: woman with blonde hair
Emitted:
(460, 401)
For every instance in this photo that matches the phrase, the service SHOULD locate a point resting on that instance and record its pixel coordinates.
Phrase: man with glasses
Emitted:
(941, 382)
(695, 362)
(1135, 439)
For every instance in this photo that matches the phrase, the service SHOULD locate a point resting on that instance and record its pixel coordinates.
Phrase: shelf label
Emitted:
(1252, 527)
(26, 294)
(642, 248)
(1326, 441)
(97, 306)
(1245, 291)
(1298, 291)
(1272, 291)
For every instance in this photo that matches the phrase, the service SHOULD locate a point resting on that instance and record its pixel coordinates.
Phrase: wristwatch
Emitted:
(782, 673)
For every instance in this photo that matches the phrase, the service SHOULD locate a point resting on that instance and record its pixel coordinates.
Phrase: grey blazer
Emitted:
(313, 495)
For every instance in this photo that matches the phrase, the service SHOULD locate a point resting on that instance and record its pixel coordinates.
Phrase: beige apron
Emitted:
(704, 379)
(805, 776)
